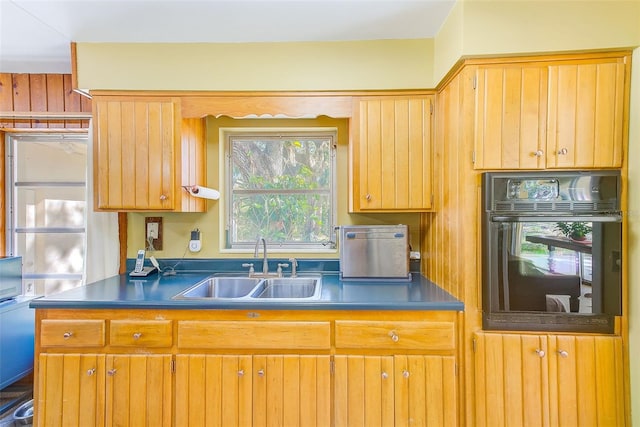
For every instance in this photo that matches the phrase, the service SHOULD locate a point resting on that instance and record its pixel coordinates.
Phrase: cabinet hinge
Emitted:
(473, 157)
(332, 366)
(432, 199)
(475, 82)
(473, 345)
(431, 107)
(173, 366)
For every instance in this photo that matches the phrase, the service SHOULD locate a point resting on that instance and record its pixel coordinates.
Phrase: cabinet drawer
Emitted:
(254, 335)
(141, 333)
(395, 335)
(72, 333)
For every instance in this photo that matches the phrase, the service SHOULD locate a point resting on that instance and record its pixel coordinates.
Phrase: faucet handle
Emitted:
(279, 270)
(250, 265)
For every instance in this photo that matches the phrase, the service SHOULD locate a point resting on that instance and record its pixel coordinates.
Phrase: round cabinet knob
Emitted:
(563, 353)
(261, 373)
(405, 373)
(111, 372)
(384, 375)
(241, 373)
(540, 352)
(137, 335)
(91, 371)
(394, 336)
(163, 197)
(563, 151)
(539, 153)
(368, 197)
(67, 335)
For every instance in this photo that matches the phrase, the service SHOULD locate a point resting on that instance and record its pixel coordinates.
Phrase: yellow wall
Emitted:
(377, 64)
(481, 27)
(177, 226)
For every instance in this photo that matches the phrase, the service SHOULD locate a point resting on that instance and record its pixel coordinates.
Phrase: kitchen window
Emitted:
(281, 186)
(46, 203)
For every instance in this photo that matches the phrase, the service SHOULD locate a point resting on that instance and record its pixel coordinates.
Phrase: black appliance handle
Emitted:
(556, 218)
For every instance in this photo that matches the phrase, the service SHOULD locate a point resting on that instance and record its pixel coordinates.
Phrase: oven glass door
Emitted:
(536, 268)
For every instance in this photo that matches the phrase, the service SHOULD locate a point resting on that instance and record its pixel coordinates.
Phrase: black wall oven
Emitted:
(551, 248)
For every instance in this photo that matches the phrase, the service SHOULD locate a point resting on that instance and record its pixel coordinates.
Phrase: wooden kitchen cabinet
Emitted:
(586, 110)
(542, 115)
(398, 390)
(244, 390)
(135, 144)
(182, 367)
(391, 154)
(144, 153)
(104, 390)
(539, 379)
(406, 373)
(288, 389)
(510, 116)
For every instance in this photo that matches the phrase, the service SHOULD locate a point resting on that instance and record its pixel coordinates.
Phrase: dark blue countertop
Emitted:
(156, 292)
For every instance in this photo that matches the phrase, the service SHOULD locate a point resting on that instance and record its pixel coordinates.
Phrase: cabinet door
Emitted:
(230, 390)
(138, 390)
(364, 391)
(510, 117)
(391, 154)
(213, 390)
(586, 114)
(586, 380)
(291, 390)
(134, 153)
(511, 380)
(395, 390)
(70, 390)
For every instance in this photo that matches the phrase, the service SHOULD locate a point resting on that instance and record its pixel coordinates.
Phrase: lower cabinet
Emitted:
(228, 368)
(398, 390)
(245, 390)
(98, 390)
(540, 379)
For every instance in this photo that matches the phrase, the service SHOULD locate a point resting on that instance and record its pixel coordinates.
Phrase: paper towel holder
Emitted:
(202, 192)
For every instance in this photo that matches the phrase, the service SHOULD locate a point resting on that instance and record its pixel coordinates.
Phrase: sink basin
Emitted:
(288, 288)
(220, 287)
(252, 288)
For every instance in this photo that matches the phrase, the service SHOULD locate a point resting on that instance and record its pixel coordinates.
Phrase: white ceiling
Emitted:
(35, 35)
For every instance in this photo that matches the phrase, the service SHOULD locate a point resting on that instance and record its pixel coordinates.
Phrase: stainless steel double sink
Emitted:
(254, 288)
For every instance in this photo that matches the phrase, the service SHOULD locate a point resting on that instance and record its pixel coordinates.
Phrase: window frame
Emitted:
(226, 136)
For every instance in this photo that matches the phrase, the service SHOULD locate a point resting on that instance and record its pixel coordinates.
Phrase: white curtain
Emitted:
(102, 257)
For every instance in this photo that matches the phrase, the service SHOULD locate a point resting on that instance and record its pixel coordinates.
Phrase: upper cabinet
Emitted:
(554, 114)
(140, 156)
(510, 116)
(585, 119)
(390, 154)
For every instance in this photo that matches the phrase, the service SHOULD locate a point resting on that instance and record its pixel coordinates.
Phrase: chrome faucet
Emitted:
(265, 264)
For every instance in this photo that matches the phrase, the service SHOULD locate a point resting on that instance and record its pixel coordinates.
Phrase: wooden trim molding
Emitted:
(122, 235)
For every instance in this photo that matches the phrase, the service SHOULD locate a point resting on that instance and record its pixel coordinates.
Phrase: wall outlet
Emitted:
(152, 230)
(153, 233)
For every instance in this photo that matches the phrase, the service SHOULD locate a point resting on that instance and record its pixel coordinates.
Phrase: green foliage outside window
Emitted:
(281, 189)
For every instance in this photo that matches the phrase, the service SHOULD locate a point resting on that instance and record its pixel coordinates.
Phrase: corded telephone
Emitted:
(140, 270)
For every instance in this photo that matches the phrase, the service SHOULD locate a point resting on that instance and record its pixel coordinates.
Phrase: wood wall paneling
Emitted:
(41, 93)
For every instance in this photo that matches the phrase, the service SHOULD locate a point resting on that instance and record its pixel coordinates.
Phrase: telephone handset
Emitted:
(140, 270)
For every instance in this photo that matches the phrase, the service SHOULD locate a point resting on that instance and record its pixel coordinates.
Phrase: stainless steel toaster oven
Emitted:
(374, 251)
